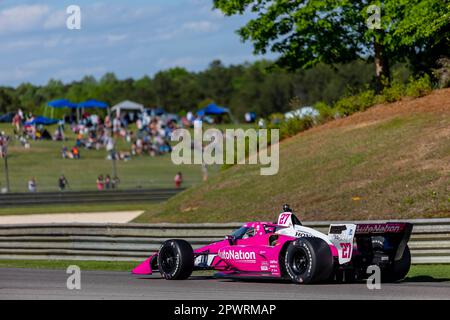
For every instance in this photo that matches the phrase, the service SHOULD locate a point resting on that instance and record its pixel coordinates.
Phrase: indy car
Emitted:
(290, 251)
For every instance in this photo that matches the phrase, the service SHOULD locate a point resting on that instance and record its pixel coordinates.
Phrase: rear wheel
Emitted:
(308, 260)
(176, 260)
(399, 269)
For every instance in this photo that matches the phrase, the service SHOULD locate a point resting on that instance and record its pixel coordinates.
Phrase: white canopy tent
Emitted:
(127, 106)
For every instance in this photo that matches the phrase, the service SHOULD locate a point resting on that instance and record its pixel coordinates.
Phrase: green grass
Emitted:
(63, 264)
(417, 273)
(378, 165)
(429, 272)
(46, 209)
(44, 162)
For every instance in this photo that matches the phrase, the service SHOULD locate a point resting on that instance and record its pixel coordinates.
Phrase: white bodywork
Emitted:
(342, 240)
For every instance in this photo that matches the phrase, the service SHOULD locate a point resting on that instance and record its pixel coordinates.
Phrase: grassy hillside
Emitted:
(392, 161)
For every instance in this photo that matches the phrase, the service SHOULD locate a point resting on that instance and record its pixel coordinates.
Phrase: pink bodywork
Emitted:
(251, 255)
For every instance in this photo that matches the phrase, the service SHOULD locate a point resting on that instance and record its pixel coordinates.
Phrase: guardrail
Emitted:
(430, 241)
(86, 197)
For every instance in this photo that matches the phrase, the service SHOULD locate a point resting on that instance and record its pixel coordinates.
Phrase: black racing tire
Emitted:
(308, 261)
(399, 269)
(176, 259)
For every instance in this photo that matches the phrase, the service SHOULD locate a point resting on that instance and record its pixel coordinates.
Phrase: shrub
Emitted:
(276, 118)
(360, 102)
(326, 112)
(394, 92)
(295, 125)
(420, 87)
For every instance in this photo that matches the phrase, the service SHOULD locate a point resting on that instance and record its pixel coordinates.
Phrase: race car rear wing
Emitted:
(398, 234)
(377, 228)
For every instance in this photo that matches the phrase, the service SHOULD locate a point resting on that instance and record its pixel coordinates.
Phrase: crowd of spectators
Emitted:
(107, 183)
(139, 134)
(122, 136)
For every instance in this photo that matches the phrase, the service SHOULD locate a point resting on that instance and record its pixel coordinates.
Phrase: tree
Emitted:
(7, 100)
(308, 32)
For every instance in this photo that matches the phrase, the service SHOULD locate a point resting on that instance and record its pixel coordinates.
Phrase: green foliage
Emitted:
(359, 102)
(415, 88)
(292, 126)
(420, 87)
(309, 32)
(326, 112)
(295, 125)
(393, 93)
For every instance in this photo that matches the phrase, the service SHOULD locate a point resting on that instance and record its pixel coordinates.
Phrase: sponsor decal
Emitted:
(337, 229)
(237, 255)
(300, 234)
(379, 228)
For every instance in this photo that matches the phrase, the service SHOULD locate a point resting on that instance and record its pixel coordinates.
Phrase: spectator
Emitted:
(205, 171)
(76, 152)
(64, 152)
(17, 123)
(20, 113)
(115, 182)
(178, 180)
(32, 185)
(107, 182)
(100, 183)
(116, 126)
(62, 183)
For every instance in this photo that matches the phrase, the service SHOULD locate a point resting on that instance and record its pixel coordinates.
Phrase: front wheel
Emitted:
(308, 260)
(176, 259)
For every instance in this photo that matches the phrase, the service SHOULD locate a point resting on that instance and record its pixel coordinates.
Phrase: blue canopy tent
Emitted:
(59, 104)
(213, 109)
(62, 103)
(41, 121)
(7, 117)
(93, 104)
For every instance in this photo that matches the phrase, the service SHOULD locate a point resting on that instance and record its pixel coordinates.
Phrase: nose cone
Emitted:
(143, 268)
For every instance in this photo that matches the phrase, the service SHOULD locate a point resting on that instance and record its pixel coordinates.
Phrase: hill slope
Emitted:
(392, 161)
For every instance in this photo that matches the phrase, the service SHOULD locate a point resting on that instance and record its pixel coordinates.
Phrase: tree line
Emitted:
(260, 87)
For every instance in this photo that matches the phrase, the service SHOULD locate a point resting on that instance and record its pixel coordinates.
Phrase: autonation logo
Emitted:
(237, 255)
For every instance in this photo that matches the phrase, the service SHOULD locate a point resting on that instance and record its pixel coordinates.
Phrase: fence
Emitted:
(430, 241)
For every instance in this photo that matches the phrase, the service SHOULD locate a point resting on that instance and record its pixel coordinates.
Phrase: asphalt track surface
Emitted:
(51, 284)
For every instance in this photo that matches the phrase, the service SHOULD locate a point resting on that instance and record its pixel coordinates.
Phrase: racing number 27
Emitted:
(283, 218)
(346, 249)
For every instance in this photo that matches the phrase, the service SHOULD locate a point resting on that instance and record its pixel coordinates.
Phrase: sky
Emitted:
(131, 38)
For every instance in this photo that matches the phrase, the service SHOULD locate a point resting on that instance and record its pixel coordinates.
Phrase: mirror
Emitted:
(230, 239)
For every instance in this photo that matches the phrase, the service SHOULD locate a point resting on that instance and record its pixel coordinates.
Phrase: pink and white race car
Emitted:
(288, 250)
